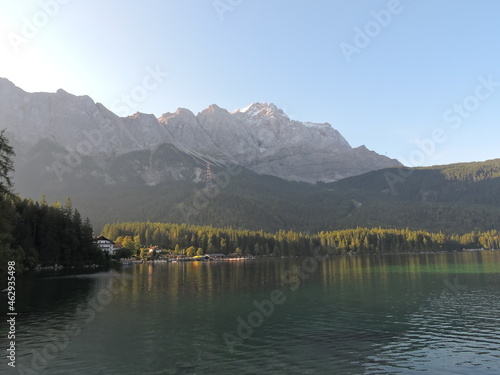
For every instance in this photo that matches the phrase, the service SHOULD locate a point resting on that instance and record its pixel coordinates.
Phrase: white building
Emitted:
(105, 244)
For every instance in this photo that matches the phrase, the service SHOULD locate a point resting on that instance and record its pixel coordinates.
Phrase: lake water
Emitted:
(392, 314)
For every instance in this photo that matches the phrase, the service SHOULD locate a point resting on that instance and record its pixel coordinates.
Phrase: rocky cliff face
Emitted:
(75, 122)
(260, 137)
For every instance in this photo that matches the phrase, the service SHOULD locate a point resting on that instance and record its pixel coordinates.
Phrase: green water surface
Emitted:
(390, 314)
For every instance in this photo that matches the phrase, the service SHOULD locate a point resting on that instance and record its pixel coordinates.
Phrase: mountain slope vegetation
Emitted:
(455, 198)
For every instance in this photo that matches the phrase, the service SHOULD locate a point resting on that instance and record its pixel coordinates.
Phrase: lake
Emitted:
(390, 314)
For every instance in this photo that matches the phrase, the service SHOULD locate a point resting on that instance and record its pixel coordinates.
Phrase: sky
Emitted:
(416, 80)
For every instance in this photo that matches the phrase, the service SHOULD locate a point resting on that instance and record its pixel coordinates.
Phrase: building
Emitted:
(155, 249)
(215, 256)
(105, 244)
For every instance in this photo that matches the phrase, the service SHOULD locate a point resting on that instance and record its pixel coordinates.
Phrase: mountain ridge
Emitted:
(141, 167)
(260, 136)
(449, 199)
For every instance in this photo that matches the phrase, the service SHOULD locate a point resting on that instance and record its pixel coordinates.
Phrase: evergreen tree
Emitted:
(6, 163)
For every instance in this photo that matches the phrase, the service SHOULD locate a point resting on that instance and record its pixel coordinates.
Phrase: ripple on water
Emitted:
(458, 335)
(359, 323)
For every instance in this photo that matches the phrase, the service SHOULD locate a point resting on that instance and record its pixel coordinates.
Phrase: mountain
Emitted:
(260, 137)
(455, 199)
(74, 122)
(141, 168)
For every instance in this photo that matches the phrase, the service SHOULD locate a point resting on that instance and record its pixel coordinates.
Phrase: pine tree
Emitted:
(6, 163)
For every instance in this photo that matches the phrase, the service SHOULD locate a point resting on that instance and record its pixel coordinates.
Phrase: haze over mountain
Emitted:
(260, 137)
(142, 168)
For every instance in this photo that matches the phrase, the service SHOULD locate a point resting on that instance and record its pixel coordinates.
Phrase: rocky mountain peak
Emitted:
(184, 112)
(213, 110)
(4, 82)
(260, 111)
(180, 115)
(260, 136)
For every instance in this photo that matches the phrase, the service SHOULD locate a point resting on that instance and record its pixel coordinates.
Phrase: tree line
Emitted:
(476, 171)
(290, 243)
(44, 235)
(34, 233)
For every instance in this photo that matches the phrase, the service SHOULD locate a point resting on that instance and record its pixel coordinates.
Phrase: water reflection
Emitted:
(379, 314)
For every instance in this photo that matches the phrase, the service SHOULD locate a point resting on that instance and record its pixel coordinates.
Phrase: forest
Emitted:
(457, 198)
(34, 233)
(39, 234)
(443, 198)
(179, 237)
